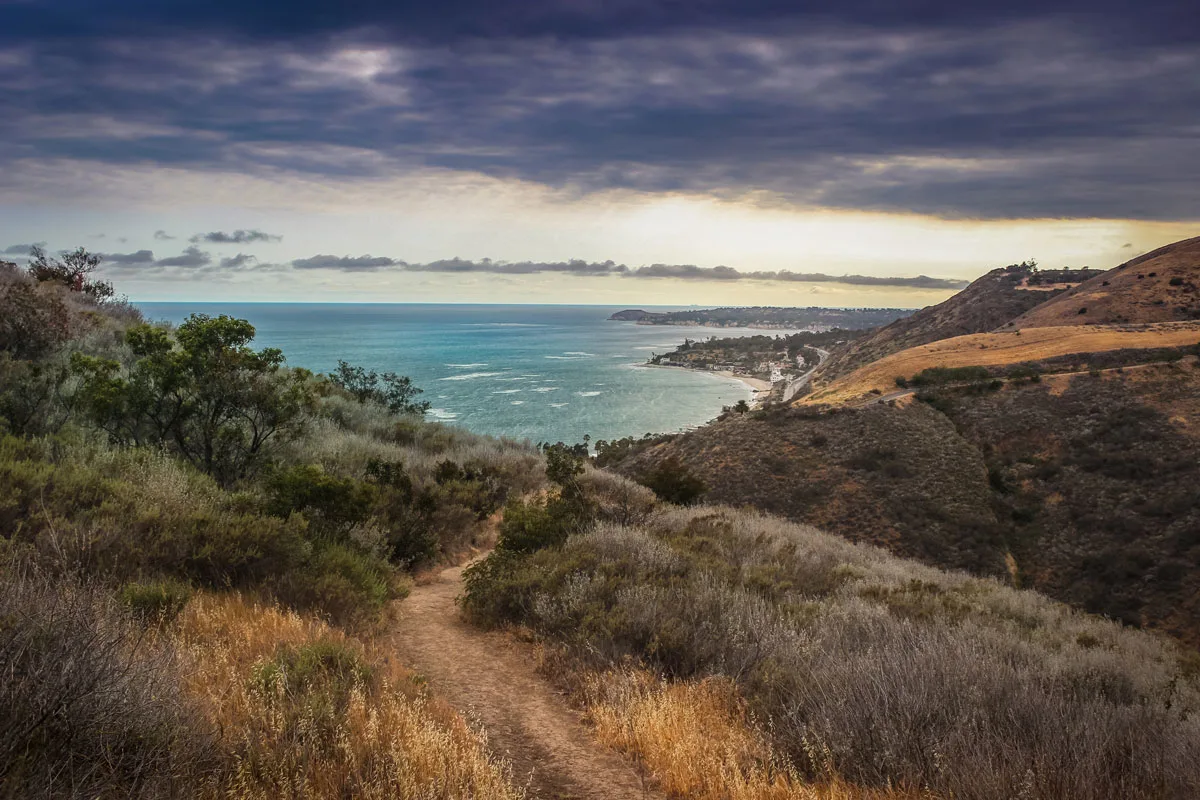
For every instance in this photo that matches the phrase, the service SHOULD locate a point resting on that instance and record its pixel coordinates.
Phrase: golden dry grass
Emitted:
(696, 742)
(995, 349)
(388, 739)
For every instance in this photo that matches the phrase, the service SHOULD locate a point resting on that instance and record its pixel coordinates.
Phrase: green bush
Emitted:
(530, 526)
(156, 601)
(339, 581)
(673, 482)
(330, 503)
(937, 376)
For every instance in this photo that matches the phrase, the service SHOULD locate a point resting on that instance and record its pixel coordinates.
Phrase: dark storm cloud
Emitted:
(988, 109)
(237, 237)
(611, 268)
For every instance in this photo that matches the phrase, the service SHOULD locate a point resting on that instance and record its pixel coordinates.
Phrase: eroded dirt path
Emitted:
(492, 678)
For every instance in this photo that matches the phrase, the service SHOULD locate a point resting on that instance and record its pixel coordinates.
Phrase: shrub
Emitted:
(345, 584)
(88, 706)
(1176, 281)
(936, 376)
(331, 503)
(156, 601)
(533, 525)
(673, 482)
(1011, 689)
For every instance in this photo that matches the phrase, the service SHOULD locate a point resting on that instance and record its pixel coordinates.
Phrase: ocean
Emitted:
(538, 372)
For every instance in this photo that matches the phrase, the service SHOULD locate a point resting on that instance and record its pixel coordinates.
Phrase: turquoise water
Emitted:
(537, 372)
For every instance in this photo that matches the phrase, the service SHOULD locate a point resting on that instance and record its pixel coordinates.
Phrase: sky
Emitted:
(622, 152)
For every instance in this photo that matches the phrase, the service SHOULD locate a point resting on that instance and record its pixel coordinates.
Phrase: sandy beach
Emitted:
(758, 386)
(761, 388)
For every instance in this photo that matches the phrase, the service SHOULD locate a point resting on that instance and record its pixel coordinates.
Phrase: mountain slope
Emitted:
(1160, 286)
(987, 304)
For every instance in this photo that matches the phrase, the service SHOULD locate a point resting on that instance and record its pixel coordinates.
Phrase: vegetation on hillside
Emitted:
(853, 665)
(985, 305)
(171, 501)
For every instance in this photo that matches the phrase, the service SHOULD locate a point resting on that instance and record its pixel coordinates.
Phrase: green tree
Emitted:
(396, 392)
(204, 393)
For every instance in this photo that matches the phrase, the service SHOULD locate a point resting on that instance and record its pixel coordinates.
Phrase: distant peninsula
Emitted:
(811, 318)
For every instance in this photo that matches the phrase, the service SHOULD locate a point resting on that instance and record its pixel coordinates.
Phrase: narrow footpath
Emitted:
(491, 678)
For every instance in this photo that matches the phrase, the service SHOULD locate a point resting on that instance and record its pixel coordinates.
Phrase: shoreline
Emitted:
(759, 389)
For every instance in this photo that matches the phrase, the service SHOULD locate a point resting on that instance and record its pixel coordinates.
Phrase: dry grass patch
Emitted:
(303, 710)
(696, 741)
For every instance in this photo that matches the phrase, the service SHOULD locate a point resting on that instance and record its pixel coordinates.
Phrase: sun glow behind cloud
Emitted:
(437, 214)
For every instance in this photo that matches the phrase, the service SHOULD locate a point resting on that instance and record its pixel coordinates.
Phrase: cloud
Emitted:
(239, 261)
(162, 236)
(348, 263)
(611, 268)
(989, 109)
(128, 259)
(191, 257)
(237, 237)
(21, 249)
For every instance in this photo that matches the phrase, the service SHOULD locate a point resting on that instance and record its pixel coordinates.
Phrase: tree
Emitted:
(741, 406)
(72, 272)
(204, 393)
(396, 392)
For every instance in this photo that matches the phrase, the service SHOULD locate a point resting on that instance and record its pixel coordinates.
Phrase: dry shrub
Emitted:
(88, 703)
(882, 672)
(307, 712)
(697, 742)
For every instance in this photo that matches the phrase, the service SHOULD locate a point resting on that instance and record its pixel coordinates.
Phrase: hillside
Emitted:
(995, 349)
(1160, 286)
(987, 304)
(1083, 487)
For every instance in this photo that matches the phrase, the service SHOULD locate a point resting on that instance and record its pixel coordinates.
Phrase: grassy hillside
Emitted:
(997, 349)
(1160, 286)
(852, 671)
(899, 478)
(197, 546)
(1079, 485)
(985, 305)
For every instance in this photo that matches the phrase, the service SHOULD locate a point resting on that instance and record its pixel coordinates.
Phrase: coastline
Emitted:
(759, 389)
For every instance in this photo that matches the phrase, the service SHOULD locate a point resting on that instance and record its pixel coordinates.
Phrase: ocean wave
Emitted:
(517, 403)
(578, 353)
(546, 389)
(507, 391)
(470, 376)
(587, 394)
(441, 413)
(559, 405)
(503, 325)
(566, 358)
(468, 366)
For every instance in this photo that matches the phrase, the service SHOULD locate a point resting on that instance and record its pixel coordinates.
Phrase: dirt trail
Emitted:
(491, 677)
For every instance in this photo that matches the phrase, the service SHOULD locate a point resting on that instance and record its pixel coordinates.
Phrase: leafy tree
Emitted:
(72, 272)
(741, 407)
(396, 392)
(206, 394)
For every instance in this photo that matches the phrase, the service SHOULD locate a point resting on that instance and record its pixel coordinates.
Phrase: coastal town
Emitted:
(775, 367)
